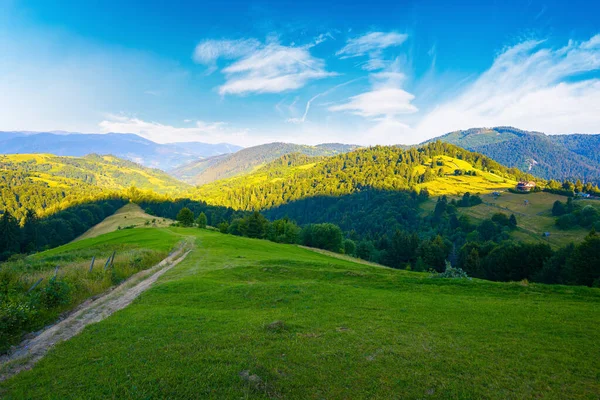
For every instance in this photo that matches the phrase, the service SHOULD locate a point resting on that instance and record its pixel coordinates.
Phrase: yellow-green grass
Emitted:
(108, 171)
(449, 184)
(533, 219)
(130, 215)
(244, 318)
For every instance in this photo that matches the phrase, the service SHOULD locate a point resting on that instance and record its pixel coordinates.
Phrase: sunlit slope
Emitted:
(440, 168)
(249, 159)
(44, 181)
(533, 212)
(244, 318)
(128, 217)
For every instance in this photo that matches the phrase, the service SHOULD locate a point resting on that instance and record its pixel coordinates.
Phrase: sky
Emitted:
(252, 72)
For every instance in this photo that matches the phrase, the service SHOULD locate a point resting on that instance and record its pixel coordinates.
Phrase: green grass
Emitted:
(533, 219)
(136, 249)
(130, 215)
(243, 318)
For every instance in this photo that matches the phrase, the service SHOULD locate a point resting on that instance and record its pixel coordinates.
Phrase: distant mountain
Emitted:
(124, 145)
(547, 156)
(226, 166)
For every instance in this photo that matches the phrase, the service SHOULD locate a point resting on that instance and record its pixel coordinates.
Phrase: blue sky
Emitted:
(305, 72)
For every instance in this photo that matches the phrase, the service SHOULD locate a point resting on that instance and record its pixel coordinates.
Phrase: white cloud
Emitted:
(261, 68)
(372, 45)
(209, 132)
(530, 87)
(379, 102)
(309, 102)
(385, 99)
(209, 51)
(273, 69)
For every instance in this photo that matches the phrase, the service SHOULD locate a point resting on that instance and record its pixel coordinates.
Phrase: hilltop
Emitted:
(557, 157)
(439, 168)
(44, 181)
(249, 159)
(123, 145)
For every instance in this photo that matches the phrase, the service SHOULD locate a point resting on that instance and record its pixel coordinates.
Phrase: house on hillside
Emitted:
(525, 186)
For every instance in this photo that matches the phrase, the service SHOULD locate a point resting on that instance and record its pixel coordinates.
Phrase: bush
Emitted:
(451, 273)
(15, 317)
(55, 294)
(185, 217)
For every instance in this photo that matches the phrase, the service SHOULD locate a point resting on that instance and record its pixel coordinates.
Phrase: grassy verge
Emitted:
(23, 310)
(243, 318)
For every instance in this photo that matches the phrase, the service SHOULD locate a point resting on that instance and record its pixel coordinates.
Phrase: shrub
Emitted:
(451, 273)
(55, 294)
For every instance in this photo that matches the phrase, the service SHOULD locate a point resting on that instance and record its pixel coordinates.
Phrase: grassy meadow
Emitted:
(128, 216)
(245, 318)
(24, 311)
(450, 184)
(533, 219)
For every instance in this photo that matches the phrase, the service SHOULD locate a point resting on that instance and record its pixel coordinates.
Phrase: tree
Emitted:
(30, 238)
(512, 221)
(349, 247)
(9, 235)
(323, 236)
(257, 224)
(201, 220)
(558, 208)
(185, 217)
(585, 261)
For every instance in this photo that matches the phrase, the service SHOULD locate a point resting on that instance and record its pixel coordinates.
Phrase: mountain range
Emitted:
(557, 157)
(123, 145)
(228, 165)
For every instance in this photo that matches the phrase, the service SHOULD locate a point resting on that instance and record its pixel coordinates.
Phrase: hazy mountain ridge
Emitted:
(124, 145)
(244, 161)
(547, 156)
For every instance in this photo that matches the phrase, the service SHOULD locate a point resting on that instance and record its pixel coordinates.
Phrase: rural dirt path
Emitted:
(93, 310)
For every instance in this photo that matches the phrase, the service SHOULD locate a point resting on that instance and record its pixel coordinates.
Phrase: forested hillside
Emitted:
(47, 183)
(246, 160)
(438, 167)
(558, 157)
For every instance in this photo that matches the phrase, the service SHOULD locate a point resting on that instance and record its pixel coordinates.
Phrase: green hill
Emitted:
(439, 168)
(557, 157)
(246, 318)
(47, 183)
(249, 159)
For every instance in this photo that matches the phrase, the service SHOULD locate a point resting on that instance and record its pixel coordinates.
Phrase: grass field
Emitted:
(130, 215)
(449, 184)
(135, 250)
(244, 318)
(533, 219)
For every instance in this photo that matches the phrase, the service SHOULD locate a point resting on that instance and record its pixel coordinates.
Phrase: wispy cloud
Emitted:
(261, 68)
(309, 102)
(210, 132)
(372, 45)
(209, 51)
(385, 99)
(531, 87)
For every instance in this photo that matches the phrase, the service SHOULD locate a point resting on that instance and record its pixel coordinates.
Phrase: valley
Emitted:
(327, 270)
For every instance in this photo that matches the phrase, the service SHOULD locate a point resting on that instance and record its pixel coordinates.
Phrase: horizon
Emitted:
(377, 75)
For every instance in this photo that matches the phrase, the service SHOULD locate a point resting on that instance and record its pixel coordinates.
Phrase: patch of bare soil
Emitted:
(93, 310)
